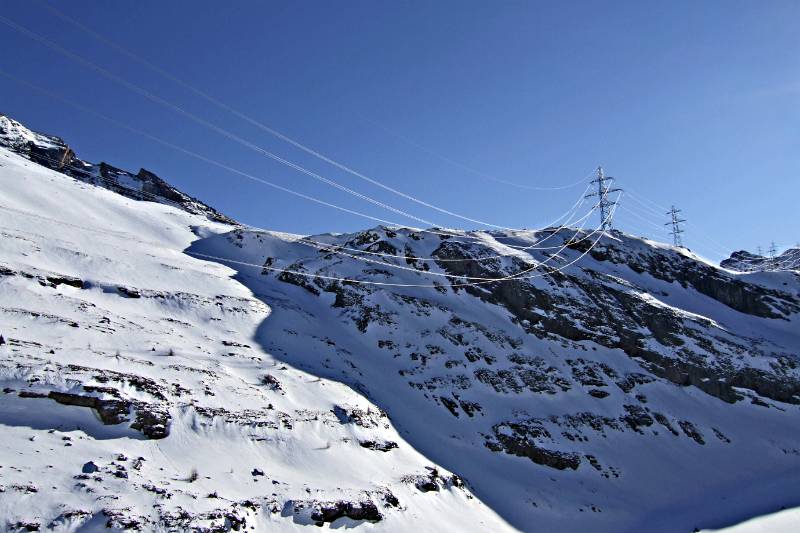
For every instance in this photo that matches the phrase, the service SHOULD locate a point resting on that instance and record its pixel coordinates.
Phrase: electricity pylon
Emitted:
(603, 190)
(676, 228)
(773, 252)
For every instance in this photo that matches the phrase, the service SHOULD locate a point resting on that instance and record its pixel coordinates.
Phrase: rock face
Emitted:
(52, 152)
(611, 315)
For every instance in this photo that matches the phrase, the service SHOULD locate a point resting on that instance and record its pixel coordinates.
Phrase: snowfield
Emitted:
(175, 333)
(156, 376)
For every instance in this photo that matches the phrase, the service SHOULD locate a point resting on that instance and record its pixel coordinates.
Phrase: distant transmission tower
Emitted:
(603, 190)
(773, 252)
(676, 228)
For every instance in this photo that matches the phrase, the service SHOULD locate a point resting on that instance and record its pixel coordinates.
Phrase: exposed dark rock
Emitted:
(152, 421)
(31, 394)
(519, 438)
(637, 417)
(90, 468)
(632, 379)
(691, 431)
(721, 436)
(590, 373)
(664, 421)
(271, 382)
(111, 412)
(129, 292)
(744, 261)
(26, 526)
(331, 511)
(433, 481)
(55, 281)
(297, 279)
(450, 404)
(382, 446)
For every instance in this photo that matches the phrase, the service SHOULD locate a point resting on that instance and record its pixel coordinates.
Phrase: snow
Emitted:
(54, 225)
(785, 521)
(207, 333)
(13, 131)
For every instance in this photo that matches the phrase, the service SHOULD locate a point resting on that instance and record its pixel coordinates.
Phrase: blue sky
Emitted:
(688, 103)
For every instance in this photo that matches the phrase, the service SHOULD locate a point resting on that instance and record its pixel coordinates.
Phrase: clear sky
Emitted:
(690, 103)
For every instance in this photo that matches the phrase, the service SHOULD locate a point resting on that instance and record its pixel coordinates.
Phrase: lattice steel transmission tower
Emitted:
(676, 226)
(603, 190)
(773, 255)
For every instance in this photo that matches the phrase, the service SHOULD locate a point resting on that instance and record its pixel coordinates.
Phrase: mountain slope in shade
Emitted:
(52, 152)
(640, 389)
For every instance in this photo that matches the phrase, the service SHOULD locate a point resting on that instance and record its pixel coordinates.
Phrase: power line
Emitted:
(483, 281)
(467, 168)
(337, 248)
(280, 135)
(139, 59)
(168, 144)
(240, 140)
(512, 277)
(204, 158)
(330, 248)
(231, 169)
(161, 101)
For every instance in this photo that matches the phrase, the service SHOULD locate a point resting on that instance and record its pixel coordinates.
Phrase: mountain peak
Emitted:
(52, 152)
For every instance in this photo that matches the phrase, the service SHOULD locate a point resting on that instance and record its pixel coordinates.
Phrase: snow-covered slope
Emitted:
(640, 389)
(783, 521)
(52, 152)
(104, 319)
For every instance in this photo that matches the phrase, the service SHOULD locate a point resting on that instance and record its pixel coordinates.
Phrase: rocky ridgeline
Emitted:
(744, 261)
(52, 152)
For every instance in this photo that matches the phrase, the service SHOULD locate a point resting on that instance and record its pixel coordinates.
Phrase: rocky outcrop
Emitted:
(332, 511)
(151, 420)
(111, 412)
(521, 439)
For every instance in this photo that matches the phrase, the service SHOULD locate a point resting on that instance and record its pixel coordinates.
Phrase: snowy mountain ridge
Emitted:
(744, 261)
(164, 371)
(52, 152)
